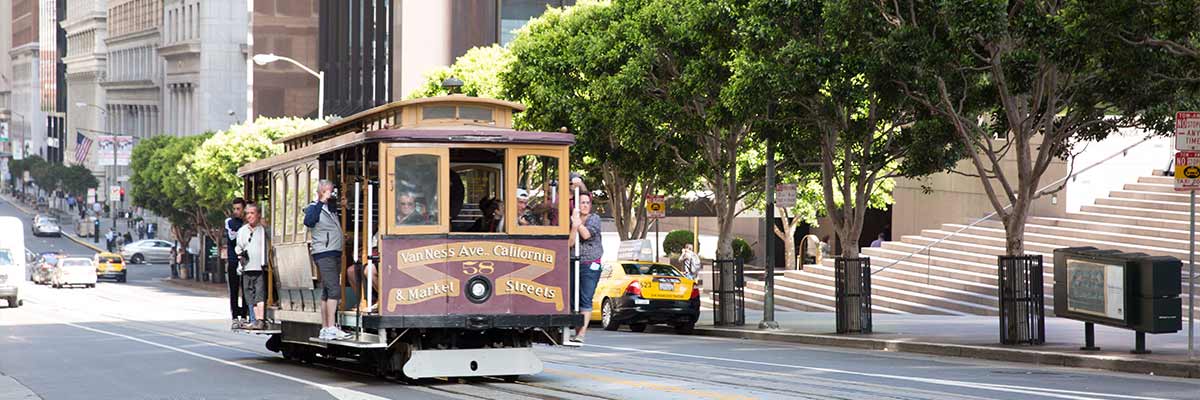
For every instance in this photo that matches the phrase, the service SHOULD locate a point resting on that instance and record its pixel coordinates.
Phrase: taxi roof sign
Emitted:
(636, 250)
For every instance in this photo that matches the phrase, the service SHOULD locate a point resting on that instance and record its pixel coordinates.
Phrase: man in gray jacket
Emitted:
(251, 249)
(327, 238)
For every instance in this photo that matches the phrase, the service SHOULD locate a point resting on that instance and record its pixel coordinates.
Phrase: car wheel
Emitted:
(637, 327)
(685, 329)
(137, 259)
(607, 319)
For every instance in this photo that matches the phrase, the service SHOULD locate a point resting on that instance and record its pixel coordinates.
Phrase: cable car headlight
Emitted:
(478, 289)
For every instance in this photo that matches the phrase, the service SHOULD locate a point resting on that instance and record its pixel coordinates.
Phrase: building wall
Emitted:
(286, 28)
(204, 48)
(86, 28)
(6, 77)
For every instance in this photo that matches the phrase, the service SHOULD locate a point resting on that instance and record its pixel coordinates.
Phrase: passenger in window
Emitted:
(492, 219)
(525, 215)
(406, 210)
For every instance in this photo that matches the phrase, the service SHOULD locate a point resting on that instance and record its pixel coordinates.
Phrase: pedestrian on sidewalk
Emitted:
(878, 242)
(691, 262)
(127, 238)
(233, 224)
(109, 239)
(151, 229)
(251, 249)
(586, 226)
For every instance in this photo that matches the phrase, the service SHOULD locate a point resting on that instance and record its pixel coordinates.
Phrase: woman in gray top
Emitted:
(587, 226)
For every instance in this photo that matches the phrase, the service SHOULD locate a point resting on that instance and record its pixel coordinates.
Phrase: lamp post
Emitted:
(110, 176)
(264, 59)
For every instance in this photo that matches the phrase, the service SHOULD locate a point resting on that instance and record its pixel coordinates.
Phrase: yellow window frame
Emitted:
(510, 197)
(389, 172)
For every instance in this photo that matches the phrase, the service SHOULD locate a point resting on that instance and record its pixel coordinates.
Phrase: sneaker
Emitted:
(258, 325)
(338, 334)
(325, 334)
(237, 324)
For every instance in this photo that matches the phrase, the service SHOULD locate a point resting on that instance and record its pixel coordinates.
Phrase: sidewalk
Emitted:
(975, 337)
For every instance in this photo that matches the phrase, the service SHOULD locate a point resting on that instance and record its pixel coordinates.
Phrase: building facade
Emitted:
(371, 51)
(204, 46)
(27, 125)
(134, 72)
(86, 28)
(6, 148)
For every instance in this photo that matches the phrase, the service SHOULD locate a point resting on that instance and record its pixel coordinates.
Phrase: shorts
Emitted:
(589, 277)
(254, 287)
(330, 277)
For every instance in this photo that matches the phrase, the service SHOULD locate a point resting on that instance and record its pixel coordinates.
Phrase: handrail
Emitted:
(1039, 192)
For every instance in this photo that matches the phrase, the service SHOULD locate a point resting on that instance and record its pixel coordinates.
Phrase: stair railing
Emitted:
(1041, 191)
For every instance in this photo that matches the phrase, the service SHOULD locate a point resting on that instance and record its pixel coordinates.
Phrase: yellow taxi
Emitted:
(109, 266)
(639, 293)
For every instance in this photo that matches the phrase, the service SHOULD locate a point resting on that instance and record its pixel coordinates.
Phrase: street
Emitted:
(150, 339)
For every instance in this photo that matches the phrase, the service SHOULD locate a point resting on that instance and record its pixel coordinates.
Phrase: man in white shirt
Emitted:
(252, 259)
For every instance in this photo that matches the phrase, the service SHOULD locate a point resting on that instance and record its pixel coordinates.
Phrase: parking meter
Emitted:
(96, 230)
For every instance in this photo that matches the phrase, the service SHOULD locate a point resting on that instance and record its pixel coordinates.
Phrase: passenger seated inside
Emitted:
(492, 219)
(406, 210)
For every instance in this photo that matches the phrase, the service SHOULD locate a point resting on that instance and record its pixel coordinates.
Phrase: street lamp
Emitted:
(264, 59)
(110, 176)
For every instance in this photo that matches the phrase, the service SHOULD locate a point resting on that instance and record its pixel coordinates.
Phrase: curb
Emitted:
(1057, 359)
(214, 288)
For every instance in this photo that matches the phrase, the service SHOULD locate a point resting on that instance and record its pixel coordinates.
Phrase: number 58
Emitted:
(478, 267)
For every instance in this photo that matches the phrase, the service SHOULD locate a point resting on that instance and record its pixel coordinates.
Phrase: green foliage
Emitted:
(212, 168)
(673, 243)
(76, 179)
(160, 181)
(479, 69)
(742, 250)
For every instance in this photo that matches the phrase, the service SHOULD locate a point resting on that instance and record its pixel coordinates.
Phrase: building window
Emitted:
(514, 14)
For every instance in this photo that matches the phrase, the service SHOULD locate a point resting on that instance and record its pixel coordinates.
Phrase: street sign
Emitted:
(785, 195)
(1187, 130)
(114, 193)
(656, 206)
(91, 196)
(1187, 171)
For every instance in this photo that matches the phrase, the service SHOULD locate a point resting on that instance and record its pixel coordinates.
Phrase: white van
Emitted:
(12, 260)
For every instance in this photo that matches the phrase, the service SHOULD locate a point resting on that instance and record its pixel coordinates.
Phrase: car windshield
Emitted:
(110, 260)
(650, 269)
(77, 263)
(5, 257)
(50, 258)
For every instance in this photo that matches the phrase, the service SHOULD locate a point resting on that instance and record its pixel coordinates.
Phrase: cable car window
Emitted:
(279, 208)
(437, 112)
(475, 113)
(416, 189)
(537, 190)
(480, 172)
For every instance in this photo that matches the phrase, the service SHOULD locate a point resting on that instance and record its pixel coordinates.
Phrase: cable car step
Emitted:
(472, 362)
(271, 329)
(363, 341)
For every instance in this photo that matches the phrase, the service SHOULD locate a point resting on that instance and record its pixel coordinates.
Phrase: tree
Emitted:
(479, 69)
(589, 43)
(77, 179)
(160, 183)
(817, 61)
(1021, 82)
(212, 168)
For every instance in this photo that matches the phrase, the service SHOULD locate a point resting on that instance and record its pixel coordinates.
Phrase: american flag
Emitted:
(83, 146)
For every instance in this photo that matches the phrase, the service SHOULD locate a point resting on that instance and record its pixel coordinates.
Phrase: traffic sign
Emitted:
(1187, 171)
(114, 193)
(785, 195)
(656, 206)
(1187, 130)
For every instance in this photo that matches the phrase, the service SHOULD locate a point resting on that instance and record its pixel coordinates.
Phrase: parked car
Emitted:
(72, 271)
(109, 266)
(44, 267)
(147, 251)
(46, 226)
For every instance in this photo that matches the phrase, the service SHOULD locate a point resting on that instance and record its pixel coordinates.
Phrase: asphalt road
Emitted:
(146, 339)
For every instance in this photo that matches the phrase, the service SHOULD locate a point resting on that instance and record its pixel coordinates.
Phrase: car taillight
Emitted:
(634, 288)
(695, 293)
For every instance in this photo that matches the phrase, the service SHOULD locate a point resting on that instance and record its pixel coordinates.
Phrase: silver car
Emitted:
(149, 250)
(46, 226)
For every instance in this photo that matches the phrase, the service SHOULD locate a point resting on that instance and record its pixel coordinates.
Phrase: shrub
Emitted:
(675, 240)
(742, 250)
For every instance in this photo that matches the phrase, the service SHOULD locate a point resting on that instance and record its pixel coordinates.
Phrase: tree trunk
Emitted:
(1014, 229)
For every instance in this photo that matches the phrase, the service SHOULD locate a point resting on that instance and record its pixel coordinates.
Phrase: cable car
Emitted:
(456, 258)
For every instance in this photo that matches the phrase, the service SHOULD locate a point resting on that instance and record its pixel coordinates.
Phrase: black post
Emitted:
(768, 321)
(852, 294)
(1089, 337)
(1022, 301)
(1139, 343)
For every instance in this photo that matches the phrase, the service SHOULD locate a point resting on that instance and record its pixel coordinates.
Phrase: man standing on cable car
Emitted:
(327, 253)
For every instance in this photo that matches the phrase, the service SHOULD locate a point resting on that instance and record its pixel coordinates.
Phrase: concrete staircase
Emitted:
(958, 275)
